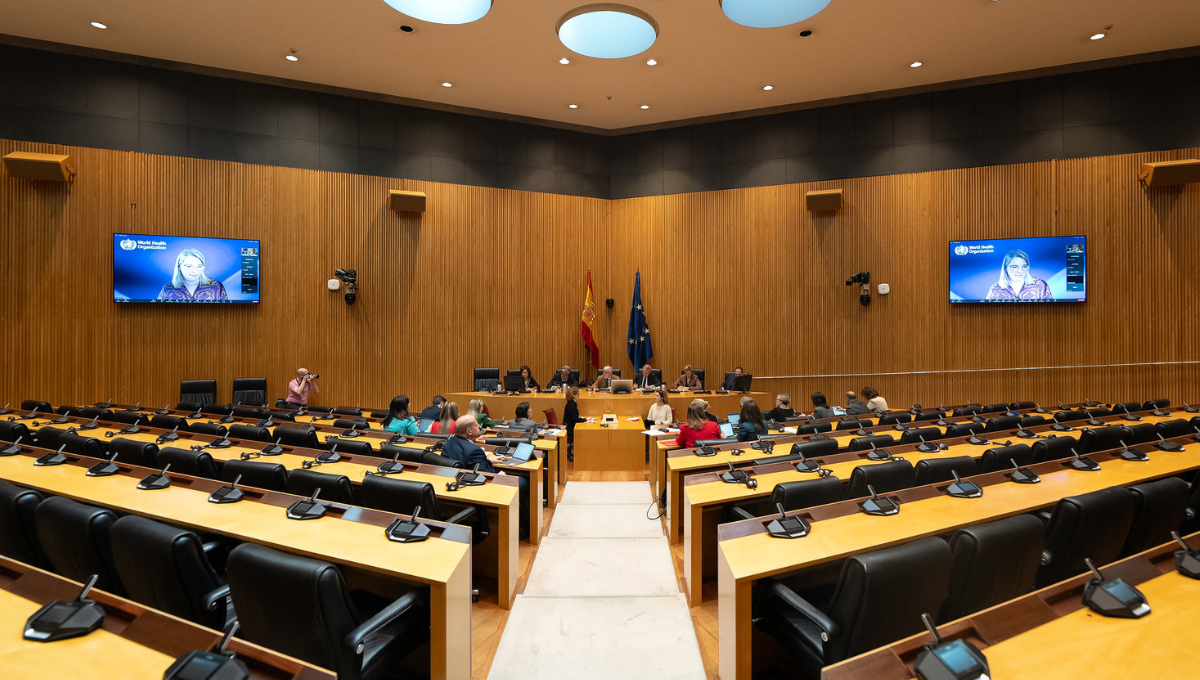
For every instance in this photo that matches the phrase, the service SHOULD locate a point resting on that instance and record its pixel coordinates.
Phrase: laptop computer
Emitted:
(426, 423)
(734, 418)
(522, 454)
(727, 430)
(622, 386)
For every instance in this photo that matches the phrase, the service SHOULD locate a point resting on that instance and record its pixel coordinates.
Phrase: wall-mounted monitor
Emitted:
(1046, 269)
(185, 269)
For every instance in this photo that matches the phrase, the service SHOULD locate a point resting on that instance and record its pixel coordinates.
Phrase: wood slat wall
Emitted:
(490, 277)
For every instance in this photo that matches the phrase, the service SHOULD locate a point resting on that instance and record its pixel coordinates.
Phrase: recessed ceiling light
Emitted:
(572, 106)
(564, 61)
(773, 14)
(1098, 36)
(915, 64)
(447, 84)
(292, 57)
(768, 87)
(645, 106)
(443, 11)
(99, 25)
(651, 62)
(607, 31)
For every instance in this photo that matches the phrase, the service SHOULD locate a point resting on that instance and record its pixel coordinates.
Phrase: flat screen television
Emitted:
(185, 269)
(1045, 269)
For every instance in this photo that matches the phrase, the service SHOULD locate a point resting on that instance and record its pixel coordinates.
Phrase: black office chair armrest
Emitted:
(461, 515)
(215, 599)
(355, 640)
(829, 628)
(741, 512)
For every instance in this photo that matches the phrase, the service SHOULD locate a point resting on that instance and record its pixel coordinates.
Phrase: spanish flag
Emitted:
(587, 325)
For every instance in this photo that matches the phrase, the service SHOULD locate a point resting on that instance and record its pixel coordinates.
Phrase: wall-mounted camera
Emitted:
(350, 278)
(863, 279)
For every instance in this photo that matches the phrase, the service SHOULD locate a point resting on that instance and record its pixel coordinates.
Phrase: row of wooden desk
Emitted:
(596, 404)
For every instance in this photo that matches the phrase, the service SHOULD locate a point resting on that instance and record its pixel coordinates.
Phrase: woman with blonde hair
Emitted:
(698, 426)
(189, 282)
(687, 380)
(446, 424)
(475, 408)
(1017, 282)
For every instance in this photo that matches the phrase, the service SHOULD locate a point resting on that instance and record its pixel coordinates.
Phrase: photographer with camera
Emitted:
(299, 388)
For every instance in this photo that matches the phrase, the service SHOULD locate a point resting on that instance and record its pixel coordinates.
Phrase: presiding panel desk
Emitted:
(348, 536)
(134, 642)
(1051, 634)
(495, 557)
(746, 553)
(596, 404)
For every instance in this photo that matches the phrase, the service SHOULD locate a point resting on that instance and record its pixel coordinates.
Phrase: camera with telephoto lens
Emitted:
(350, 278)
(313, 376)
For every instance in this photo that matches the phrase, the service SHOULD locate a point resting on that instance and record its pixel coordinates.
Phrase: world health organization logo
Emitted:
(960, 250)
(128, 244)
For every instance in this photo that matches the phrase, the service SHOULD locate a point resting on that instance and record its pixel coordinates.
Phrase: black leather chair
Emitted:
(895, 418)
(1031, 421)
(968, 410)
(964, 429)
(189, 406)
(82, 446)
(699, 373)
(354, 447)
(1093, 525)
(864, 443)
(188, 462)
(133, 452)
(131, 418)
(282, 416)
(408, 455)
(1068, 416)
(879, 599)
(352, 411)
(1096, 413)
(213, 429)
(1022, 405)
(1002, 423)
(249, 433)
(928, 414)
(1140, 433)
(1127, 407)
(249, 391)
(854, 424)
(18, 533)
(75, 539)
(794, 496)
(1174, 428)
(11, 431)
(47, 437)
(995, 408)
(1101, 439)
(486, 379)
(1156, 403)
(1191, 521)
(304, 437)
(91, 412)
(1160, 508)
(1002, 458)
(934, 470)
(301, 607)
(431, 458)
(993, 563)
(217, 409)
(352, 423)
(249, 411)
(884, 477)
(260, 475)
(199, 392)
(813, 428)
(335, 488)
(169, 423)
(1054, 448)
(913, 435)
(513, 373)
(166, 568)
(403, 496)
(320, 409)
(41, 406)
(818, 447)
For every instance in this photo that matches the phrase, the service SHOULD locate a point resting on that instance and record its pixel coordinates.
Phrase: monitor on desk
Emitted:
(741, 383)
(514, 383)
(622, 386)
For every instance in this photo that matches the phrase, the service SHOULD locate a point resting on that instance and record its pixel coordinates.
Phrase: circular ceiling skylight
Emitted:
(771, 13)
(607, 31)
(443, 11)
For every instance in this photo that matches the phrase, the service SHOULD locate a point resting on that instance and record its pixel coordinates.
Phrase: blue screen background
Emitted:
(973, 274)
(139, 275)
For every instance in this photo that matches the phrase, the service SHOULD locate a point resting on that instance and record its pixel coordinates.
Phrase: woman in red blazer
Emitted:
(698, 426)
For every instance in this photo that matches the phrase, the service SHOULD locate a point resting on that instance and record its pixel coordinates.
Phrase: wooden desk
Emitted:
(550, 443)
(596, 404)
(617, 446)
(354, 540)
(134, 642)
(745, 553)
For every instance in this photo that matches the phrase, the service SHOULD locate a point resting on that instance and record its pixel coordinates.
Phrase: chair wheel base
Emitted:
(474, 596)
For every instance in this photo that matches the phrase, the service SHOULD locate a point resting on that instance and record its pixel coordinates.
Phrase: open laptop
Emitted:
(622, 387)
(522, 454)
(734, 419)
(727, 430)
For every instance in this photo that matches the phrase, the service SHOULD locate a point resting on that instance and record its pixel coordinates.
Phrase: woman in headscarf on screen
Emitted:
(188, 282)
(1016, 283)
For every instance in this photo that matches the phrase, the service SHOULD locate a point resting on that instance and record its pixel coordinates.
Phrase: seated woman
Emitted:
(446, 424)
(751, 424)
(531, 385)
(820, 407)
(661, 414)
(781, 410)
(687, 380)
(697, 427)
(475, 408)
(399, 419)
(874, 401)
(521, 417)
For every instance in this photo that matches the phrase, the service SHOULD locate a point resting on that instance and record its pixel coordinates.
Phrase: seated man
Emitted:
(434, 412)
(462, 446)
(647, 380)
(562, 380)
(604, 380)
(729, 382)
(855, 407)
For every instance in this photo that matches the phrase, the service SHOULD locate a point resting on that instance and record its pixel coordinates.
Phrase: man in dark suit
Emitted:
(647, 380)
(562, 380)
(855, 407)
(462, 446)
(728, 384)
(434, 412)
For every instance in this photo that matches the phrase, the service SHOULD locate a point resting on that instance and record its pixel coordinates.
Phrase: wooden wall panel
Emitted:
(490, 277)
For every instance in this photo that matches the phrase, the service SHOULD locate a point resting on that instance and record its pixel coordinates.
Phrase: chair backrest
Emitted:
(169, 422)
(964, 429)
(354, 447)
(1127, 407)
(352, 423)
(1002, 457)
(189, 406)
(18, 534)
(894, 418)
(513, 373)
(616, 372)
(249, 391)
(1101, 439)
(853, 424)
(291, 604)
(864, 443)
(304, 437)
(884, 477)
(75, 539)
(431, 458)
(968, 410)
(130, 418)
(699, 373)
(133, 452)
(250, 432)
(249, 411)
(486, 379)
(93, 412)
(1093, 525)
(551, 416)
(818, 447)
(41, 406)
(1001, 423)
(575, 375)
(881, 595)
(200, 392)
(1068, 416)
(82, 446)
(184, 461)
(1156, 403)
(217, 409)
(995, 408)
(1022, 405)
(165, 567)
(929, 414)
(353, 411)
(1030, 421)
(10, 431)
(993, 563)
(401, 496)
(1174, 428)
(47, 437)
(657, 373)
(334, 488)
(407, 454)
(214, 429)
(913, 435)
(1159, 509)
(1140, 433)
(260, 475)
(806, 493)
(934, 470)
(1054, 448)
(813, 428)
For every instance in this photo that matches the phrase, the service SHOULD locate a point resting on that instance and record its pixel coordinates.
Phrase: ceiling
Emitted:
(707, 65)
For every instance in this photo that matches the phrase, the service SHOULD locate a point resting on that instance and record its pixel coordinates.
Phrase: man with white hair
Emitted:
(562, 380)
(604, 380)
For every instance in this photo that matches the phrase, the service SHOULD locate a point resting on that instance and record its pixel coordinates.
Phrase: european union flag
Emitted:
(638, 347)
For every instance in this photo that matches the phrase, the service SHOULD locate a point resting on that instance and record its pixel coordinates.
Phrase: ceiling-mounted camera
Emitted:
(864, 292)
(350, 278)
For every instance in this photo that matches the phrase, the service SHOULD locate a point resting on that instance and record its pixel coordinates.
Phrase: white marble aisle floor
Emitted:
(602, 600)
